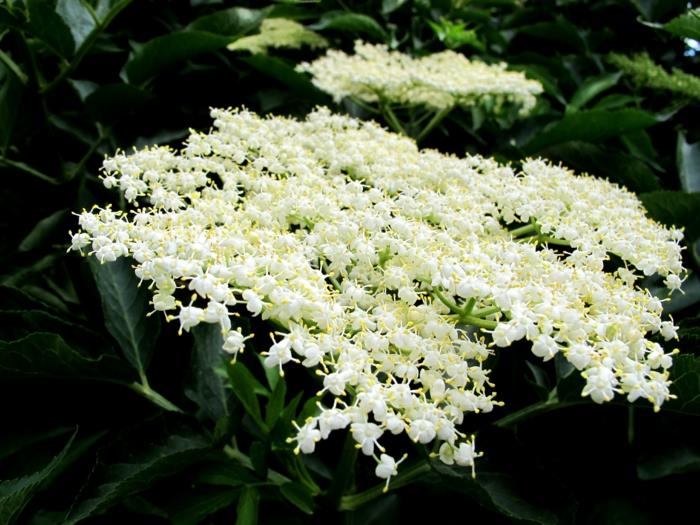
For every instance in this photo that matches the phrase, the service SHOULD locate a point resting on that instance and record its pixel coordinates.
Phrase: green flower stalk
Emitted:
(386, 81)
(647, 74)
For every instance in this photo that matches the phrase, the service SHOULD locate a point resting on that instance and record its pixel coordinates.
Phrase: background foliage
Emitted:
(108, 415)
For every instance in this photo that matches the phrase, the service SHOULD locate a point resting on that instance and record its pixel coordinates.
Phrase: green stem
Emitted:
(478, 322)
(332, 279)
(467, 310)
(233, 453)
(444, 300)
(393, 121)
(437, 118)
(524, 230)
(405, 477)
(483, 312)
(27, 169)
(544, 239)
(154, 397)
(364, 105)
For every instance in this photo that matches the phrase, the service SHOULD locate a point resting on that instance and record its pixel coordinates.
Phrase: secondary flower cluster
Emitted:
(394, 272)
(439, 81)
(276, 33)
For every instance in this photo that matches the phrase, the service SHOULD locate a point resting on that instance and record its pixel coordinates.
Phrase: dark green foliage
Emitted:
(108, 416)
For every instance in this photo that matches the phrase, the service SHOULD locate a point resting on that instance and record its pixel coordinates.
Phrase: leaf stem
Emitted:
(146, 391)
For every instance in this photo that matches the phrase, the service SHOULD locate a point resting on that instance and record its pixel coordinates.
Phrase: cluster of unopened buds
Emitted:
(393, 272)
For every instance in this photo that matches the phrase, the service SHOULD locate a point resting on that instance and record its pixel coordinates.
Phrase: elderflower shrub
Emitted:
(276, 33)
(438, 81)
(394, 272)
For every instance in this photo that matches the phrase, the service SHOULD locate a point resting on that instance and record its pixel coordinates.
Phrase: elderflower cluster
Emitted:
(439, 81)
(276, 33)
(394, 272)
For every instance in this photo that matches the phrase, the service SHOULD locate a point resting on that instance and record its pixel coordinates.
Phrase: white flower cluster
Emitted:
(391, 270)
(276, 33)
(439, 81)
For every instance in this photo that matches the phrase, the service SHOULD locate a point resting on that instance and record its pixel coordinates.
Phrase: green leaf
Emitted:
(615, 101)
(231, 22)
(125, 305)
(639, 144)
(43, 230)
(591, 88)
(192, 507)
(48, 25)
(677, 460)
(246, 388)
(675, 208)
(15, 494)
(45, 355)
(78, 19)
(500, 492)
(612, 164)
(389, 6)
(126, 479)
(589, 126)
(562, 32)
(112, 102)
(247, 510)
(166, 51)
(258, 454)
(685, 383)
(10, 103)
(298, 495)
(278, 69)
(686, 25)
(688, 163)
(275, 404)
(352, 24)
(207, 387)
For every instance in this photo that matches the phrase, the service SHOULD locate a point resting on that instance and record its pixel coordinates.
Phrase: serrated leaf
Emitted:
(206, 386)
(278, 69)
(675, 208)
(610, 163)
(46, 355)
(562, 32)
(590, 126)
(246, 388)
(48, 25)
(351, 23)
(298, 495)
(688, 163)
(615, 101)
(591, 88)
(499, 491)
(677, 460)
(191, 508)
(15, 494)
(125, 306)
(247, 510)
(275, 404)
(166, 51)
(231, 22)
(42, 231)
(686, 25)
(389, 6)
(77, 18)
(685, 384)
(10, 102)
(126, 479)
(111, 102)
